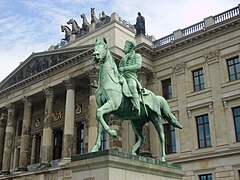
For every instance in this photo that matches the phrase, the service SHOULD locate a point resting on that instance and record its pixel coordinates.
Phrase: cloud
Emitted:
(28, 26)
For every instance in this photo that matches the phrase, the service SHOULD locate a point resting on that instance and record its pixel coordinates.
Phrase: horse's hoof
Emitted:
(94, 149)
(113, 133)
(163, 159)
(133, 153)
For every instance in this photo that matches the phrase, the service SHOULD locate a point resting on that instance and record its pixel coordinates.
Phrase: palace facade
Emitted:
(47, 103)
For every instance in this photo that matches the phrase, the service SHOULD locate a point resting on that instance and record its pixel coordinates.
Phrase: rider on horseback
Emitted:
(129, 65)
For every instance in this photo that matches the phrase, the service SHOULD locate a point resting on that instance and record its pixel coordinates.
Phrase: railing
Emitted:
(226, 15)
(127, 24)
(194, 28)
(165, 40)
(199, 26)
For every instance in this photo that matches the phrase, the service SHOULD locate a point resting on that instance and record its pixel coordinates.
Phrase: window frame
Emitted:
(234, 64)
(169, 130)
(206, 176)
(166, 84)
(200, 85)
(235, 126)
(80, 139)
(204, 131)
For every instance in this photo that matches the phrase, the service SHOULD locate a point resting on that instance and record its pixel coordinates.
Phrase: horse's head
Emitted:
(100, 51)
(92, 11)
(83, 15)
(70, 21)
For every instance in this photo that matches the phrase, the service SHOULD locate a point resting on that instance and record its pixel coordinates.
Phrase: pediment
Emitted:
(38, 62)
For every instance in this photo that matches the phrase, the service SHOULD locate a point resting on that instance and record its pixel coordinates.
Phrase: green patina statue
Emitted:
(117, 94)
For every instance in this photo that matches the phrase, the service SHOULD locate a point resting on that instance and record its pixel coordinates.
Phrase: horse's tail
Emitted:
(166, 113)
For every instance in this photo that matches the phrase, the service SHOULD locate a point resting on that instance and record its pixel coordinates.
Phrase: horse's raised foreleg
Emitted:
(138, 132)
(159, 128)
(105, 109)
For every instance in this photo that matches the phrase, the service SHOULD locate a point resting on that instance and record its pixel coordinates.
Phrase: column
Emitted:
(47, 140)
(25, 137)
(33, 151)
(2, 135)
(145, 148)
(92, 107)
(69, 120)
(8, 139)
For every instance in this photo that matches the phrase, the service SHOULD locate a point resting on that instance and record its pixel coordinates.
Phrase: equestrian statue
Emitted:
(119, 93)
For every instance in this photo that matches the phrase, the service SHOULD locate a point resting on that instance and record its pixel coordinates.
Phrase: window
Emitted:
(37, 149)
(167, 88)
(198, 79)
(233, 68)
(57, 144)
(103, 140)
(170, 139)
(203, 130)
(236, 117)
(80, 139)
(205, 177)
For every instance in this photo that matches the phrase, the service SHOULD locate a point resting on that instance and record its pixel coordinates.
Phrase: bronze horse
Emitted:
(112, 98)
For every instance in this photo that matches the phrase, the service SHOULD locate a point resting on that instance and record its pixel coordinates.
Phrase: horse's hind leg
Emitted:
(138, 132)
(159, 128)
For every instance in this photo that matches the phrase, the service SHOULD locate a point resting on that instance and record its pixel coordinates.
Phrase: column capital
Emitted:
(49, 92)
(26, 100)
(69, 84)
(3, 120)
(10, 107)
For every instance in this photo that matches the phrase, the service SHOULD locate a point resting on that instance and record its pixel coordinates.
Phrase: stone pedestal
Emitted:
(114, 165)
(105, 165)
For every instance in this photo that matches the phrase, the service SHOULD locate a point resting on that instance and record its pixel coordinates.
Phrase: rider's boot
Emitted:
(136, 103)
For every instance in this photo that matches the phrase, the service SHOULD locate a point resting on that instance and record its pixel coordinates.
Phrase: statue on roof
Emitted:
(140, 24)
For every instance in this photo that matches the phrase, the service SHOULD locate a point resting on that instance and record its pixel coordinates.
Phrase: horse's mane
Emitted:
(67, 27)
(76, 23)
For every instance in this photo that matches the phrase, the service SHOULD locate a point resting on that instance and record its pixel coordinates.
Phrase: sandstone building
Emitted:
(48, 107)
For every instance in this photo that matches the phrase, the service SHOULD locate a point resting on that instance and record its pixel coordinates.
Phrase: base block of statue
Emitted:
(114, 165)
(102, 165)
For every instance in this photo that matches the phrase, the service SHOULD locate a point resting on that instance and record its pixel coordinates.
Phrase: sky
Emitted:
(29, 26)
